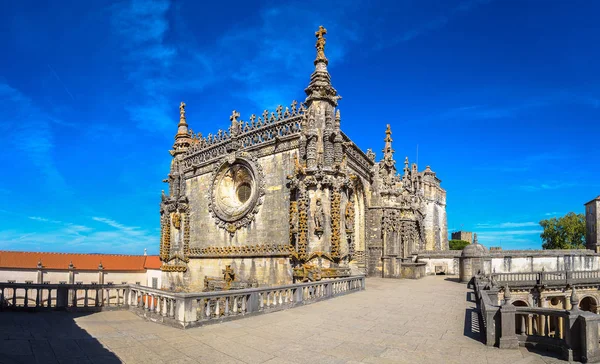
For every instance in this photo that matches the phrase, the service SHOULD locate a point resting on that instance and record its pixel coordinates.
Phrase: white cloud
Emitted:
(110, 237)
(508, 225)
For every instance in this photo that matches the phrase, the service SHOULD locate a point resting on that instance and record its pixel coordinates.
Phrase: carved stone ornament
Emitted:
(237, 191)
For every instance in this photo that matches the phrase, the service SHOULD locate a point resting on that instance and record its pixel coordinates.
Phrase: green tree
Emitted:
(457, 244)
(567, 232)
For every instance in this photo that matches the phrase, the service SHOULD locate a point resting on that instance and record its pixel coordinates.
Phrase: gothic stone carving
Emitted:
(237, 191)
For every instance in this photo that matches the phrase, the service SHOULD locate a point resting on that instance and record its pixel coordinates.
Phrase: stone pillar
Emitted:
(100, 292)
(590, 350)
(40, 274)
(72, 281)
(508, 337)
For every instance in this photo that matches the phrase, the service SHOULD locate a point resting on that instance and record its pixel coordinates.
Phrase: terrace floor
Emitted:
(431, 320)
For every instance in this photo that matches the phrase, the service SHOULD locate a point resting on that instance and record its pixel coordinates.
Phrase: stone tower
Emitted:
(592, 222)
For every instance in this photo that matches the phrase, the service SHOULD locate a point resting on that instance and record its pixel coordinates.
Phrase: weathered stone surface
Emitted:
(289, 197)
(394, 321)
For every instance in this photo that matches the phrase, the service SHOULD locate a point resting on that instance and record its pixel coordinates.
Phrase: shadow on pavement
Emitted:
(473, 325)
(49, 337)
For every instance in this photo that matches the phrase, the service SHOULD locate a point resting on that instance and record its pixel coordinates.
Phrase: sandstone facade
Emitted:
(287, 196)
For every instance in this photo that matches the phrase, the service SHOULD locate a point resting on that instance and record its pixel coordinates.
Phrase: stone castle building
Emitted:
(287, 196)
(592, 222)
(463, 235)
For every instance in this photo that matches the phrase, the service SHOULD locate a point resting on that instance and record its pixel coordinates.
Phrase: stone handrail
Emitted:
(560, 278)
(186, 310)
(574, 333)
(62, 296)
(176, 309)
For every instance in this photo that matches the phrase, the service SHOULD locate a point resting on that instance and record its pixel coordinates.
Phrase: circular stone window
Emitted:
(235, 190)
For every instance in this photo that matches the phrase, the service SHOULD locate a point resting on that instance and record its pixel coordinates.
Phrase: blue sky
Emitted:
(501, 97)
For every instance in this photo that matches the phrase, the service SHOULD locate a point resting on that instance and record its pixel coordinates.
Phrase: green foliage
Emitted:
(457, 244)
(567, 232)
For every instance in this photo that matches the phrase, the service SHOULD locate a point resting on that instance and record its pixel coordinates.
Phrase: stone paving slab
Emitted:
(430, 320)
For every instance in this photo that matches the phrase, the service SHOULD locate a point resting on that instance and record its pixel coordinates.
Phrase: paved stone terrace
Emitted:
(393, 321)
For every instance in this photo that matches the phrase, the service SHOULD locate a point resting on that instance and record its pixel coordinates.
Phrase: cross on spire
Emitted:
(321, 45)
(321, 32)
(234, 116)
(182, 112)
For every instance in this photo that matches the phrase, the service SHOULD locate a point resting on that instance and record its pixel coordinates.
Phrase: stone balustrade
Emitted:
(61, 296)
(194, 309)
(572, 333)
(175, 309)
(560, 278)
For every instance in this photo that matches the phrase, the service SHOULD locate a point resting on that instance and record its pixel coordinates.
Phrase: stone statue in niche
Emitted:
(349, 217)
(177, 220)
(319, 217)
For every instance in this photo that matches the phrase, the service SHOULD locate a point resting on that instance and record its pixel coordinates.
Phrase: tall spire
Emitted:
(320, 87)
(182, 138)
(388, 152)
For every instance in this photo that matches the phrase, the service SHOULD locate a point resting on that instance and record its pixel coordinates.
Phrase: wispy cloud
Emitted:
(108, 237)
(508, 225)
(27, 129)
(438, 22)
(526, 162)
(547, 186)
(270, 55)
(155, 66)
(544, 98)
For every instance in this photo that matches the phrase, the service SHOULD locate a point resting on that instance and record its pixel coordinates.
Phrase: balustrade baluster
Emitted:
(244, 303)
(217, 311)
(207, 310)
(226, 313)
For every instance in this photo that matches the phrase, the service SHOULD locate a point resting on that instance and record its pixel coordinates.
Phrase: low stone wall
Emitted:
(182, 310)
(522, 261)
(442, 262)
(570, 332)
(413, 270)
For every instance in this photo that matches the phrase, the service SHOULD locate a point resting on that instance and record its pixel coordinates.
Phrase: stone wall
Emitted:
(592, 224)
(270, 226)
(446, 262)
(523, 261)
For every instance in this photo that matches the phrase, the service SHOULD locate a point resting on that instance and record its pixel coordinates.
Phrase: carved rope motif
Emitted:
(336, 197)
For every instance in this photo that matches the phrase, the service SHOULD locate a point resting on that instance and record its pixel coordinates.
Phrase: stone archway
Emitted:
(589, 304)
(523, 321)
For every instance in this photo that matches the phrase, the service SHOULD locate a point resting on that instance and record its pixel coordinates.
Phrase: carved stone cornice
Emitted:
(242, 251)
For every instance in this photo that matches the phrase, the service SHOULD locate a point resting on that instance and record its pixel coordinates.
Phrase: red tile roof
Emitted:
(61, 261)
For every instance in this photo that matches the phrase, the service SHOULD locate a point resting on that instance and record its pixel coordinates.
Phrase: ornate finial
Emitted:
(39, 263)
(100, 267)
(182, 112)
(234, 116)
(475, 239)
(574, 299)
(507, 294)
(370, 154)
(71, 264)
(321, 45)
